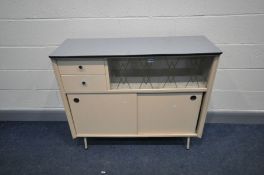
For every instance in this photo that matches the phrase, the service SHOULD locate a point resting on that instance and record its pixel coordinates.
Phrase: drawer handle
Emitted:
(76, 100)
(80, 67)
(193, 97)
(84, 83)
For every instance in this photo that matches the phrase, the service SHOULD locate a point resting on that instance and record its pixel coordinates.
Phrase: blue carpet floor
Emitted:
(47, 148)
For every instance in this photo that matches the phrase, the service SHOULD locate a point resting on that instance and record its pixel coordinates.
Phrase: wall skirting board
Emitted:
(239, 117)
(33, 115)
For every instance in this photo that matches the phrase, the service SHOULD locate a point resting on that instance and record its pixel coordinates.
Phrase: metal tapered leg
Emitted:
(188, 143)
(85, 143)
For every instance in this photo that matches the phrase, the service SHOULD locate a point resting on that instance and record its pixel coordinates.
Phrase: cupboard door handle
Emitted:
(76, 100)
(83, 83)
(193, 97)
(80, 67)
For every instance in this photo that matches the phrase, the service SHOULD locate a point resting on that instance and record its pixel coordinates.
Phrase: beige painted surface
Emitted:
(207, 95)
(88, 67)
(104, 114)
(168, 113)
(64, 99)
(107, 74)
(140, 135)
(163, 90)
(74, 83)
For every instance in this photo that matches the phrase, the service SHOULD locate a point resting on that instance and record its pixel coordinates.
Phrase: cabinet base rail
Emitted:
(187, 143)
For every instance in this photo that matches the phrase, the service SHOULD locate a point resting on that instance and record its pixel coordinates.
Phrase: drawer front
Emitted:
(104, 114)
(172, 113)
(91, 67)
(84, 83)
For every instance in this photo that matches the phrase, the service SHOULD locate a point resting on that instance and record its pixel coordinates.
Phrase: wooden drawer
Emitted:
(104, 114)
(91, 67)
(84, 83)
(171, 113)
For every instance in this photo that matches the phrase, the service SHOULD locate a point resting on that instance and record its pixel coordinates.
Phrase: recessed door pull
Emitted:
(193, 97)
(76, 100)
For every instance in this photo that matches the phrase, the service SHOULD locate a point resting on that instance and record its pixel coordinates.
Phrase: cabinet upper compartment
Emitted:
(159, 72)
(183, 45)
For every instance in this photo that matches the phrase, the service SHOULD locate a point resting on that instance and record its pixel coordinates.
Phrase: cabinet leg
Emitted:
(85, 143)
(188, 143)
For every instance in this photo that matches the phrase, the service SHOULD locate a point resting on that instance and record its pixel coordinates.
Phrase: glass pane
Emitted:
(157, 72)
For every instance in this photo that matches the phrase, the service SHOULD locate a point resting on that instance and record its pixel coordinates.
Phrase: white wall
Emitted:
(31, 29)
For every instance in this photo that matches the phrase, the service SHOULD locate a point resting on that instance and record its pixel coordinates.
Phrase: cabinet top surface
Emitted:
(183, 45)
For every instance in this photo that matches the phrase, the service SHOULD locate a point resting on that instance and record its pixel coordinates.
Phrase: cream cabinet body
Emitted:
(142, 87)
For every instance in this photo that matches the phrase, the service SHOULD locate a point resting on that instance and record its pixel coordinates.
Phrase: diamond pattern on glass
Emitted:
(159, 72)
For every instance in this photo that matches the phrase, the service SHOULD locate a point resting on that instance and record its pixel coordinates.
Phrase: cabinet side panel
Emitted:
(206, 98)
(64, 99)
